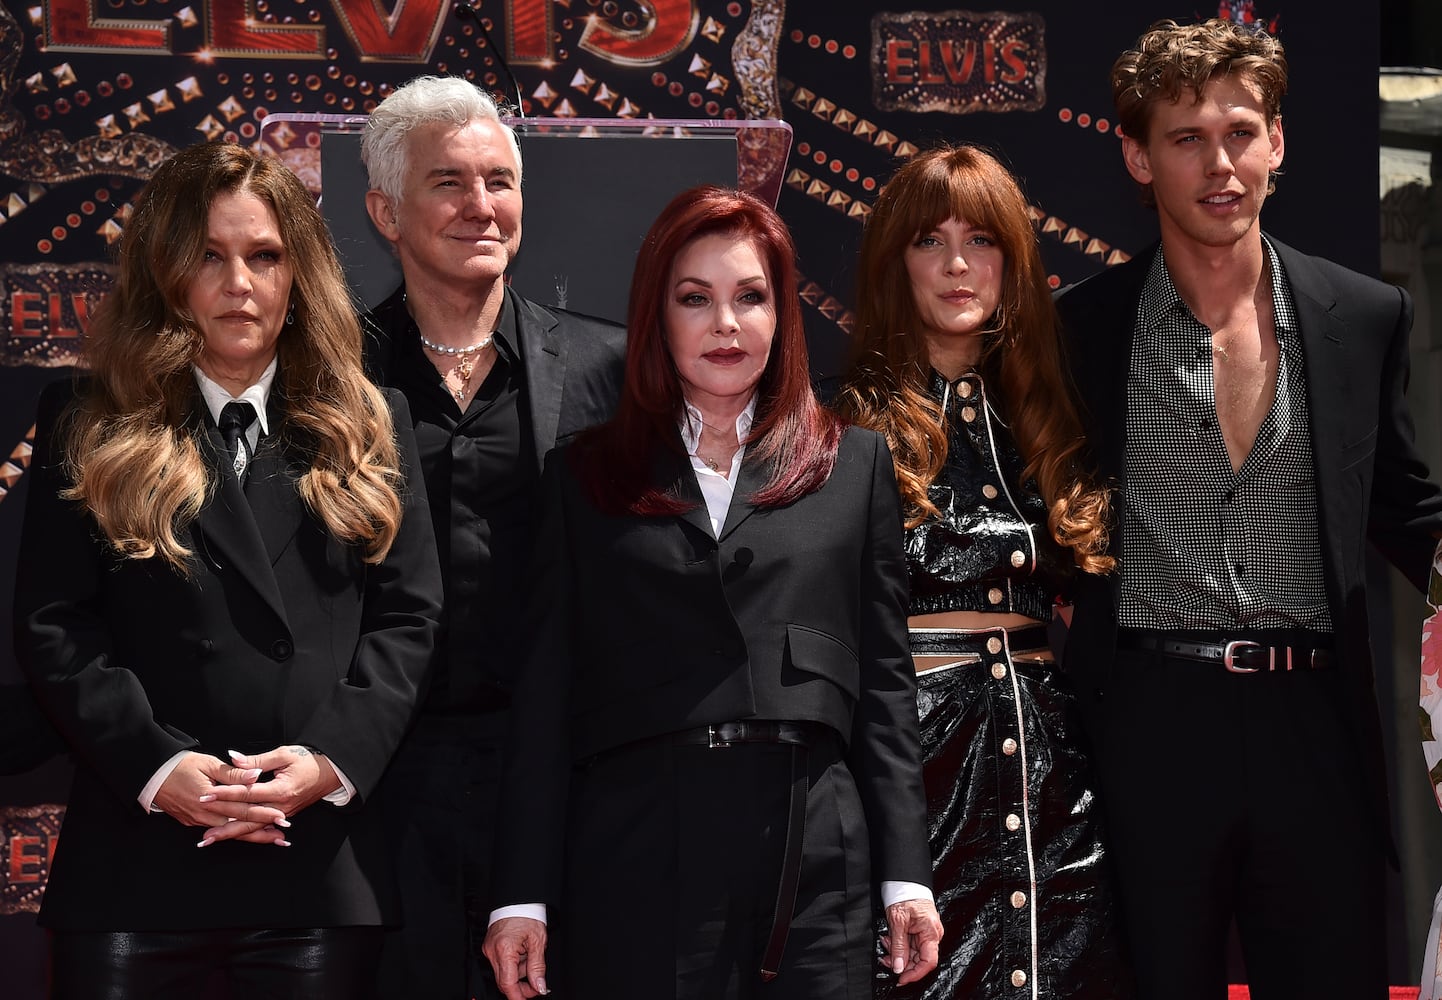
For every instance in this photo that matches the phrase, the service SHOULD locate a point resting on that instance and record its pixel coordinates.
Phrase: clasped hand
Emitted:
(231, 801)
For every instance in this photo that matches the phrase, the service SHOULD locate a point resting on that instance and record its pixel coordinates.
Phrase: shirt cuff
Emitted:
(532, 911)
(147, 795)
(345, 792)
(900, 892)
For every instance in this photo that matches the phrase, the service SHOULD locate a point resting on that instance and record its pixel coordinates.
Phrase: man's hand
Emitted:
(913, 934)
(516, 947)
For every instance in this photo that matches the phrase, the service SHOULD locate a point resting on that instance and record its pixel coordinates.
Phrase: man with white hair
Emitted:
(494, 381)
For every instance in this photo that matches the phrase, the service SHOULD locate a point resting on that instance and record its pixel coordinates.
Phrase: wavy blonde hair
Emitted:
(131, 441)
(886, 388)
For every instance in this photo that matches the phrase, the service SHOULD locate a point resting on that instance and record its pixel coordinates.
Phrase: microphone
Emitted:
(473, 8)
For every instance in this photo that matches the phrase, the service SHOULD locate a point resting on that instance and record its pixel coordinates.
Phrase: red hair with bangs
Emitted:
(792, 432)
(887, 386)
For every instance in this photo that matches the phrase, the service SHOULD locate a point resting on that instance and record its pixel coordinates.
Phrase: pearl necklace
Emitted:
(465, 366)
(480, 345)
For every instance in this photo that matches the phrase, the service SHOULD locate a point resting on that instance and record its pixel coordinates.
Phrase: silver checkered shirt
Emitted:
(1204, 547)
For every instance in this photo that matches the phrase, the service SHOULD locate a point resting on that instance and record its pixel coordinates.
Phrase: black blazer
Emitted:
(281, 635)
(1371, 482)
(654, 626)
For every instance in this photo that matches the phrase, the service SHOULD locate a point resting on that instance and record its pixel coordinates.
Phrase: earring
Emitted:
(290, 315)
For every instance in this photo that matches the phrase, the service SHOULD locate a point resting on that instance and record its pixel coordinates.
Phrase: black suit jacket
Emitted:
(653, 625)
(1371, 483)
(281, 635)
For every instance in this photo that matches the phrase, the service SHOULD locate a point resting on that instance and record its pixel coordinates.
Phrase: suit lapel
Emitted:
(1103, 343)
(276, 505)
(1323, 337)
(227, 531)
(673, 469)
(753, 475)
(545, 361)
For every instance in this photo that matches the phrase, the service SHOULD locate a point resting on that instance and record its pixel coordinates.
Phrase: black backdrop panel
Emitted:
(589, 200)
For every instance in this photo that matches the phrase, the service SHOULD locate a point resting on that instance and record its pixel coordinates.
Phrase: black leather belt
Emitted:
(1239, 656)
(725, 734)
(799, 736)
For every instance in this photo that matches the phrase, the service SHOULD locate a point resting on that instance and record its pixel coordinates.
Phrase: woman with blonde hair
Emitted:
(226, 595)
(958, 364)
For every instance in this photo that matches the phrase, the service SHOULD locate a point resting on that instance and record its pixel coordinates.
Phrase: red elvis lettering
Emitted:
(408, 32)
(928, 61)
(44, 314)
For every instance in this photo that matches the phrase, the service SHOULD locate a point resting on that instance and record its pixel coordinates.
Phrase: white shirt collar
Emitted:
(257, 395)
(691, 424)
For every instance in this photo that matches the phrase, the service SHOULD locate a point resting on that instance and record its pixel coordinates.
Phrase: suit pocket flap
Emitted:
(823, 654)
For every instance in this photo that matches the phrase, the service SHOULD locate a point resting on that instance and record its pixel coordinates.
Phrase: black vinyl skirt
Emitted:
(1019, 862)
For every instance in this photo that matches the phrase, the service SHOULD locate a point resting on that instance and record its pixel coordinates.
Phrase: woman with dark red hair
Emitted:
(715, 758)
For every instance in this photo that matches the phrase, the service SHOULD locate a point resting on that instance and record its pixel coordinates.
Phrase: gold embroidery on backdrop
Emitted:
(762, 156)
(48, 157)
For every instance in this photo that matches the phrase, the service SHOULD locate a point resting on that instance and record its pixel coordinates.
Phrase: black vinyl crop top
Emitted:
(990, 549)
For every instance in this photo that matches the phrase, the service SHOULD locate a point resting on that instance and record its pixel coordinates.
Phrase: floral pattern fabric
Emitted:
(1431, 718)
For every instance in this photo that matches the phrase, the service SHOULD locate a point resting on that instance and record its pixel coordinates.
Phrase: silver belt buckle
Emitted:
(1230, 650)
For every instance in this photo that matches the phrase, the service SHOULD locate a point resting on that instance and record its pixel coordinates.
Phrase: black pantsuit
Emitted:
(659, 861)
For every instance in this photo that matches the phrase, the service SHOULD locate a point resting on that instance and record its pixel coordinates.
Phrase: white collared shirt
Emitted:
(716, 489)
(258, 395)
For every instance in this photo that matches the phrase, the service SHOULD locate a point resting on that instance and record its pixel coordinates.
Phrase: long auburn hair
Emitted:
(886, 388)
(791, 430)
(131, 441)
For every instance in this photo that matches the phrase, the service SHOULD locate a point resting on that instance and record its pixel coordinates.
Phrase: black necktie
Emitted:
(235, 417)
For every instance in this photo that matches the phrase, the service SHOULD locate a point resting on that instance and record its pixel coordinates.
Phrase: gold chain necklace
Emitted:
(465, 366)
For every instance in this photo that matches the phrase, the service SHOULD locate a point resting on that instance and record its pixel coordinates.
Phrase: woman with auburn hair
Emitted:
(225, 598)
(715, 738)
(958, 365)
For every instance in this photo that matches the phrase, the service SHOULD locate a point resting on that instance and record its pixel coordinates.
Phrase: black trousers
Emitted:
(438, 801)
(673, 862)
(269, 964)
(1241, 796)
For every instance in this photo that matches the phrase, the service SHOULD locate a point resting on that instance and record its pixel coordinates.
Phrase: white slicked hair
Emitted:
(426, 100)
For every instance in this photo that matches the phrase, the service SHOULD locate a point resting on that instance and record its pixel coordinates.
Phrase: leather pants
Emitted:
(254, 964)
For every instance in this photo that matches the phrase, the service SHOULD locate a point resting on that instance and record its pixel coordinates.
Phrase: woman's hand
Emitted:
(188, 795)
(300, 778)
(516, 947)
(913, 934)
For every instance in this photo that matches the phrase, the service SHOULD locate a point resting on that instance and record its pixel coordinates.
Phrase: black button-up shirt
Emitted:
(480, 471)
